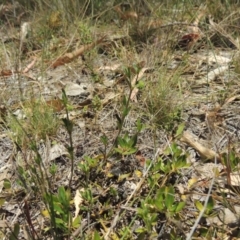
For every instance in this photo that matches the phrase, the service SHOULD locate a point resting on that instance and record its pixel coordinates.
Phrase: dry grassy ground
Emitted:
(119, 120)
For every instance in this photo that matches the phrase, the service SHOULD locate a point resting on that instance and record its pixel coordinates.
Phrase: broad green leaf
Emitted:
(14, 234)
(58, 208)
(180, 206)
(210, 204)
(59, 221)
(199, 205)
(169, 197)
(64, 196)
(159, 203)
(124, 100)
(61, 194)
(125, 111)
(140, 84)
(125, 151)
(123, 176)
(76, 222)
(134, 140)
(96, 236)
(7, 184)
(180, 129)
(191, 182)
(141, 230)
(138, 173)
(2, 201)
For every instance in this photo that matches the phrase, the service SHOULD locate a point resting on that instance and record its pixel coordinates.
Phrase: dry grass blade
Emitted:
(221, 31)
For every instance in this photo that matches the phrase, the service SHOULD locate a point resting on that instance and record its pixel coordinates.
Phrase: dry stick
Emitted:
(29, 66)
(68, 57)
(114, 222)
(205, 153)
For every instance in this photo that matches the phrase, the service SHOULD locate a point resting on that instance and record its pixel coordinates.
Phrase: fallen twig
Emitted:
(205, 153)
(68, 57)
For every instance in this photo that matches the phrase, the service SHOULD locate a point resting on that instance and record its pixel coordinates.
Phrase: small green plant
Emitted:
(104, 140)
(37, 119)
(163, 202)
(171, 163)
(34, 176)
(146, 213)
(85, 32)
(177, 160)
(53, 169)
(62, 215)
(162, 100)
(86, 166)
(126, 145)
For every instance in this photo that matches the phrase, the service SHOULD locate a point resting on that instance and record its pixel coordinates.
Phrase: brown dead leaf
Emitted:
(231, 99)
(5, 73)
(55, 104)
(188, 41)
(131, 15)
(68, 57)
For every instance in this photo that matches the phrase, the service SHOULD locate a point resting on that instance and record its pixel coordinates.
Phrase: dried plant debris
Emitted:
(119, 120)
